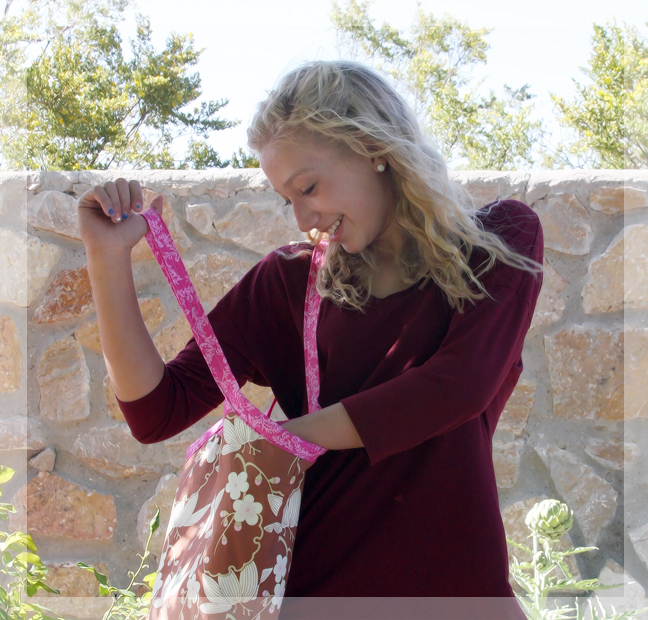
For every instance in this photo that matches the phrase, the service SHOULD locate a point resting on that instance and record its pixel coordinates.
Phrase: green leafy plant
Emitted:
(548, 521)
(132, 602)
(23, 573)
(22, 570)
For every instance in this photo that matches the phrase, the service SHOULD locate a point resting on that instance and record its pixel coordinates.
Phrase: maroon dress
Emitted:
(415, 513)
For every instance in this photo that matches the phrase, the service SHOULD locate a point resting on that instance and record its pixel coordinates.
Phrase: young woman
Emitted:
(426, 303)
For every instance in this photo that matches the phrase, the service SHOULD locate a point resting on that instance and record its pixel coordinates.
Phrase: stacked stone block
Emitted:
(575, 428)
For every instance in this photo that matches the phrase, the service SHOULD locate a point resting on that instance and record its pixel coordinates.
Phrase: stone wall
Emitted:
(574, 429)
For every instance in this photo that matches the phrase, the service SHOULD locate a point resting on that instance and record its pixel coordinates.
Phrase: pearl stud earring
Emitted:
(381, 168)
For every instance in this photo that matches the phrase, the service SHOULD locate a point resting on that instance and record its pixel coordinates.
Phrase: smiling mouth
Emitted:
(331, 231)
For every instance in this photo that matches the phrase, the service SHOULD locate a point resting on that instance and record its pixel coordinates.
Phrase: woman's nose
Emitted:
(307, 219)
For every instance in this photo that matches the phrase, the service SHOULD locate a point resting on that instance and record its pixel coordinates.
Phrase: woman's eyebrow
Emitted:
(295, 174)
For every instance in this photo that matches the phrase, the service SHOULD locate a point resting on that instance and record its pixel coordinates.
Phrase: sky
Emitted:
(248, 44)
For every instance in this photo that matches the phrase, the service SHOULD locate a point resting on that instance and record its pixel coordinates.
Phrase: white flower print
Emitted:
(279, 591)
(280, 568)
(236, 435)
(210, 451)
(230, 590)
(158, 584)
(183, 515)
(237, 484)
(247, 510)
(193, 587)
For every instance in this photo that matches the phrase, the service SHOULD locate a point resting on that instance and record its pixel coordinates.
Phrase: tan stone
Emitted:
(603, 291)
(64, 381)
(116, 453)
(566, 224)
(55, 211)
(163, 498)
(516, 412)
(26, 265)
(618, 278)
(639, 538)
(550, 305)
(213, 275)
(21, 433)
(142, 251)
(68, 296)
(89, 336)
(10, 357)
(259, 226)
(49, 180)
(635, 267)
(13, 191)
(172, 339)
(53, 507)
(152, 312)
(201, 216)
(592, 498)
(506, 461)
(111, 400)
(79, 590)
(629, 596)
(635, 370)
(44, 461)
(486, 186)
(612, 200)
(586, 371)
(516, 529)
(612, 453)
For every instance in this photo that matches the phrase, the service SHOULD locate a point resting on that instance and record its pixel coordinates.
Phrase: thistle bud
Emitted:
(550, 519)
(540, 559)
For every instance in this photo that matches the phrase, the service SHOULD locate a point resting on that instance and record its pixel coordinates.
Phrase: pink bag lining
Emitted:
(166, 254)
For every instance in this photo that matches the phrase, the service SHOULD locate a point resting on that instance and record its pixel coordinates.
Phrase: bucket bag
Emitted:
(228, 546)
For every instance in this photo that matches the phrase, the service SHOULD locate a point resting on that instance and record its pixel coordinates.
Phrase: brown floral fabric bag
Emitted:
(228, 546)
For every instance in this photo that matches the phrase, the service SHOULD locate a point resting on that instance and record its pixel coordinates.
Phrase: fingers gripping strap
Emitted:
(167, 256)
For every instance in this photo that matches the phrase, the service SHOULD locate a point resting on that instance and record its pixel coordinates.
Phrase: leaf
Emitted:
(20, 539)
(265, 574)
(6, 474)
(127, 593)
(150, 579)
(104, 591)
(101, 578)
(574, 551)
(31, 589)
(518, 545)
(43, 586)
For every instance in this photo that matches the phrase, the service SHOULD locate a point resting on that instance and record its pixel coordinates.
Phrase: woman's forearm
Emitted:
(133, 363)
(330, 428)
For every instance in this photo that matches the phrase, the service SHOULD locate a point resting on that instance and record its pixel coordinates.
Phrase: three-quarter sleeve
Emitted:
(458, 382)
(187, 391)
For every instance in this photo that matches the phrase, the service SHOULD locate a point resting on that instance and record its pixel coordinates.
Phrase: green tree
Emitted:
(242, 159)
(608, 117)
(432, 67)
(71, 99)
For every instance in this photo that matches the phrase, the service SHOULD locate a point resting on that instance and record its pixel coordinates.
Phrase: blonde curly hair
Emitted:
(351, 104)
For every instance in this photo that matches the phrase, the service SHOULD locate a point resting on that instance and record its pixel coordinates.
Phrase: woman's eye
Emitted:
(308, 191)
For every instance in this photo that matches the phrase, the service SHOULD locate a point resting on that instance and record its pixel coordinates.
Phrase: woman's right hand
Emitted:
(109, 216)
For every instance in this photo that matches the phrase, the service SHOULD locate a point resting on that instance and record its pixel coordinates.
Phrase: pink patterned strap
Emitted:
(311, 314)
(167, 256)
